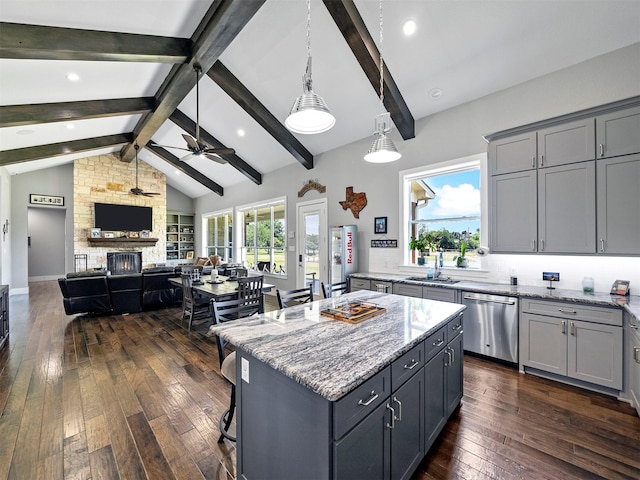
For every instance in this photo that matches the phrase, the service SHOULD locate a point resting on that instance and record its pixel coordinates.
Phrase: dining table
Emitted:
(224, 288)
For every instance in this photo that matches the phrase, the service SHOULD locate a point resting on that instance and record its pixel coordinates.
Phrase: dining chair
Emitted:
(193, 307)
(289, 298)
(250, 290)
(226, 311)
(334, 289)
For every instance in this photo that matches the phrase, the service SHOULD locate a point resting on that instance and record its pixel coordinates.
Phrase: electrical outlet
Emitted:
(245, 369)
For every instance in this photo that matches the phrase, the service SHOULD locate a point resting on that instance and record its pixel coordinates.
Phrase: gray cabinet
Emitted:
(580, 342)
(618, 133)
(512, 154)
(632, 356)
(567, 208)
(618, 194)
(356, 284)
(441, 294)
(407, 290)
(513, 212)
(567, 143)
(4, 314)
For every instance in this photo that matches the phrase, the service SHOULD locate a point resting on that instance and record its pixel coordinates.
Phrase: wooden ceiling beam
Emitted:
(56, 43)
(18, 155)
(185, 123)
(350, 23)
(30, 114)
(250, 104)
(221, 24)
(186, 169)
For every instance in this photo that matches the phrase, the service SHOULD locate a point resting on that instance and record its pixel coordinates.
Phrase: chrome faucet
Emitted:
(437, 271)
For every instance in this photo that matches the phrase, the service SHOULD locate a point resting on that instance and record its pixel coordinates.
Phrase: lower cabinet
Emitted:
(4, 314)
(580, 342)
(633, 360)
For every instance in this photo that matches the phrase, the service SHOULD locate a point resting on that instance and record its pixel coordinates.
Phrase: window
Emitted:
(219, 228)
(264, 239)
(443, 205)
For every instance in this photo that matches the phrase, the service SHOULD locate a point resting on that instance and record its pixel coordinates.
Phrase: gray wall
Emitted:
(178, 201)
(451, 134)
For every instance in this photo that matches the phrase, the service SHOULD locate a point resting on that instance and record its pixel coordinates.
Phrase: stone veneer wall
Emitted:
(106, 179)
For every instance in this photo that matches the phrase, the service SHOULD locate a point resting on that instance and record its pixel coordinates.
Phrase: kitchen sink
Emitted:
(446, 281)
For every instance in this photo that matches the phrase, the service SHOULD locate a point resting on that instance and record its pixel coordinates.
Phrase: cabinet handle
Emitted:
(542, 244)
(456, 327)
(542, 160)
(447, 363)
(438, 342)
(572, 328)
(602, 244)
(395, 400)
(373, 396)
(533, 161)
(601, 149)
(564, 327)
(453, 355)
(413, 365)
(636, 354)
(572, 312)
(392, 425)
(534, 244)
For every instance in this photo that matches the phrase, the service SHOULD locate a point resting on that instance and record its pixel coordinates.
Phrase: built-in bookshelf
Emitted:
(180, 232)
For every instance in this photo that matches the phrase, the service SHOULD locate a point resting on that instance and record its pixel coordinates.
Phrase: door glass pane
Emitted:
(311, 250)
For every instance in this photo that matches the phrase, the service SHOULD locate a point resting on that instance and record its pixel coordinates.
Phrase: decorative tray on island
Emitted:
(353, 312)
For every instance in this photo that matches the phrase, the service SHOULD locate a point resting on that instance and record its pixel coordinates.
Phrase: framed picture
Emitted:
(108, 234)
(189, 255)
(46, 200)
(144, 234)
(134, 234)
(380, 225)
(95, 233)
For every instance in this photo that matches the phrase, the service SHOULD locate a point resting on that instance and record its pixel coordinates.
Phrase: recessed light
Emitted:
(435, 93)
(25, 132)
(177, 172)
(70, 126)
(409, 27)
(241, 132)
(73, 77)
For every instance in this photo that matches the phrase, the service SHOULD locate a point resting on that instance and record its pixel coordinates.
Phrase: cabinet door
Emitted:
(543, 343)
(567, 208)
(356, 284)
(618, 133)
(512, 154)
(633, 359)
(567, 143)
(513, 213)
(595, 353)
(442, 294)
(435, 404)
(407, 290)
(370, 444)
(407, 436)
(619, 205)
(454, 374)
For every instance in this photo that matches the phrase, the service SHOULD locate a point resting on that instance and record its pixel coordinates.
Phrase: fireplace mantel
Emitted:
(121, 242)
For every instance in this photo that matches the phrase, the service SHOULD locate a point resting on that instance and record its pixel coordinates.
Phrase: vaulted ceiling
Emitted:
(135, 59)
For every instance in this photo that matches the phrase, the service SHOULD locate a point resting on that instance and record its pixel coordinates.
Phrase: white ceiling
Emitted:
(467, 48)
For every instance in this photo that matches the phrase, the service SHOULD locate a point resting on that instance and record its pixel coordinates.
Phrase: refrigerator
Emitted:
(343, 252)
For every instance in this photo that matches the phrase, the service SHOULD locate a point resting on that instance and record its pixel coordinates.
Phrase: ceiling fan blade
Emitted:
(170, 146)
(215, 158)
(149, 194)
(220, 151)
(191, 141)
(189, 156)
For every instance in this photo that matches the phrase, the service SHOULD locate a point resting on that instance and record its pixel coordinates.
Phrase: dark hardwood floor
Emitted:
(137, 396)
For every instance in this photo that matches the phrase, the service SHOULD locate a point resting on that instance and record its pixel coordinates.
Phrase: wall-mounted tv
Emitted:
(123, 218)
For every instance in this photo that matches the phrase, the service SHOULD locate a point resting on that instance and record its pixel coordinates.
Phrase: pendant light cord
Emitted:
(308, 28)
(382, 109)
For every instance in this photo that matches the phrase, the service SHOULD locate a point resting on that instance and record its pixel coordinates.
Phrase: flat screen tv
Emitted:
(122, 218)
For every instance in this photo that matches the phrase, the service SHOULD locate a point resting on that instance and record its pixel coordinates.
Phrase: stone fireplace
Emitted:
(119, 263)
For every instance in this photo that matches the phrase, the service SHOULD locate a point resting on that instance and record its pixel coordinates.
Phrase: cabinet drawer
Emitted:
(442, 294)
(454, 328)
(359, 403)
(407, 290)
(380, 286)
(435, 342)
(359, 284)
(588, 313)
(404, 367)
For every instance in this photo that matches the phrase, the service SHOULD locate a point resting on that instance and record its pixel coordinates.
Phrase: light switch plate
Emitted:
(245, 369)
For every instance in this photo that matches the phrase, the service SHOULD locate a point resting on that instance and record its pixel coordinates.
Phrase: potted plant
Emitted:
(421, 245)
(461, 260)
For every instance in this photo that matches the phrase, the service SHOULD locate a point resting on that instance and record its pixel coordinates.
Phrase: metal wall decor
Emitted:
(311, 185)
(356, 201)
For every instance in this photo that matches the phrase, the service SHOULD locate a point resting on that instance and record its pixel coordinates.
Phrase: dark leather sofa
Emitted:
(97, 292)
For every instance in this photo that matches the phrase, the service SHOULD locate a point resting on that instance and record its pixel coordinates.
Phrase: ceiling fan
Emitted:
(195, 146)
(137, 190)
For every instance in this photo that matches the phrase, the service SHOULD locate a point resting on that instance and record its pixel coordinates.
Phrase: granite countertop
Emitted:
(331, 357)
(630, 303)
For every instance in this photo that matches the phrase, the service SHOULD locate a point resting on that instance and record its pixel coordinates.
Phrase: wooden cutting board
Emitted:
(353, 312)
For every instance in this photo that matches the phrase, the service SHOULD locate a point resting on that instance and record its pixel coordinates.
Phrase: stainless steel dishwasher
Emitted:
(491, 325)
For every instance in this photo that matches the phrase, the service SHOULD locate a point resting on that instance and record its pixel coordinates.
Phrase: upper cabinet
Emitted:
(618, 133)
(543, 193)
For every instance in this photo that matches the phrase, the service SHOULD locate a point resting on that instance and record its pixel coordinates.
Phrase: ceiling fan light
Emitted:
(309, 115)
(382, 150)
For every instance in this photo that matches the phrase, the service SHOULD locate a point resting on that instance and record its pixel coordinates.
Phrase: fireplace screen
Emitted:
(119, 263)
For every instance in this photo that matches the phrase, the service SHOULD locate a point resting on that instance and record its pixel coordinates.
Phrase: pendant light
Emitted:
(382, 149)
(309, 114)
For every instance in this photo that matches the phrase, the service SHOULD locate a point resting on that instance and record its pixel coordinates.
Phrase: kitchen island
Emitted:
(327, 399)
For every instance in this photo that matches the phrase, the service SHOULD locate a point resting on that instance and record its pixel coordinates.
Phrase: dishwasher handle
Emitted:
(480, 299)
